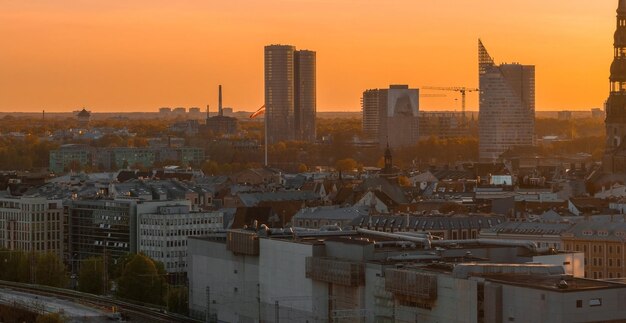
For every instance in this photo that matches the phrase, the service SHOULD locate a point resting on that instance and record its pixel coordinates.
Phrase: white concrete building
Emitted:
(31, 224)
(373, 277)
(163, 228)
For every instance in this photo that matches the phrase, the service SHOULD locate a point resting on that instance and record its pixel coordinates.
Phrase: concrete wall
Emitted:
(573, 263)
(233, 281)
(521, 304)
(378, 301)
(283, 278)
(456, 302)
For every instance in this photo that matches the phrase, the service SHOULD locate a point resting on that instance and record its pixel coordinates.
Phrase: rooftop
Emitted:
(551, 282)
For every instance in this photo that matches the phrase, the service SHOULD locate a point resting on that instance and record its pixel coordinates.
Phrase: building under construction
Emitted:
(442, 125)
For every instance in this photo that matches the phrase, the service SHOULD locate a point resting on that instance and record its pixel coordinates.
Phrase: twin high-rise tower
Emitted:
(290, 101)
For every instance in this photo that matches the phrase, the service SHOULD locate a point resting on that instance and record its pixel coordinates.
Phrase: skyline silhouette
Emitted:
(140, 56)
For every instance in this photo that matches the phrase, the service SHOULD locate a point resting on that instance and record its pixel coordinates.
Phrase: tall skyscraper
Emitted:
(371, 115)
(391, 116)
(507, 106)
(305, 99)
(290, 102)
(615, 153)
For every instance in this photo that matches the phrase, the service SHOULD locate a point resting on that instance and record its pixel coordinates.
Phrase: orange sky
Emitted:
(139, 55)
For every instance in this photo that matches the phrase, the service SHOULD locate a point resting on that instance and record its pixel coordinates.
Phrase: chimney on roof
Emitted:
(220, 112)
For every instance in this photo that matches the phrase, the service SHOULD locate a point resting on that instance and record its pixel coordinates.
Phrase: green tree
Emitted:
(91, 275)
(14, 266)
(178, 300)
(50, 270)
(141, 281)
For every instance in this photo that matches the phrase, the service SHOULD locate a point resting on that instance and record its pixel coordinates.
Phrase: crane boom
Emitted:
(461, 89)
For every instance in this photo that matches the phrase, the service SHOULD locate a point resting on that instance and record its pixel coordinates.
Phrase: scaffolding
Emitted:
(411, 286)
(243, 242)
(335, 271)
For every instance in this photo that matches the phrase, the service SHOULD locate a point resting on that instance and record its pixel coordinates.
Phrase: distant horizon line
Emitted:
(251, 111)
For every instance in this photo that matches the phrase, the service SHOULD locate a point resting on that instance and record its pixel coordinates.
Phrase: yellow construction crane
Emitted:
(463, 90)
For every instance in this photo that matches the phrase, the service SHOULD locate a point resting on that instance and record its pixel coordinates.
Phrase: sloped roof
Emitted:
(393, 191)
(531, 228)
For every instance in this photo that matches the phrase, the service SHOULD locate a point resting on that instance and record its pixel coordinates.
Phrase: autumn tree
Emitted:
(347, 164)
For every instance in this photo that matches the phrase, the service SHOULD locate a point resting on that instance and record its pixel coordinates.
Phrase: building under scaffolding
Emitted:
(442, 125)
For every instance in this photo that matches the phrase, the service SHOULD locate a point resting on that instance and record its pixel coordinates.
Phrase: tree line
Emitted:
(136, 277)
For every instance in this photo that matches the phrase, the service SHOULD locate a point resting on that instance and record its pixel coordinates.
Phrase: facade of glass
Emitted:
(507, 106)
(99, 227)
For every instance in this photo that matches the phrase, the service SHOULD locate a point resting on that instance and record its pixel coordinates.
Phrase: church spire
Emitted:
(616, 103)
(621, 7)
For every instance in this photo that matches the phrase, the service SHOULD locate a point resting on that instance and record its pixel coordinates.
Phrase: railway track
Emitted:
(136, 312)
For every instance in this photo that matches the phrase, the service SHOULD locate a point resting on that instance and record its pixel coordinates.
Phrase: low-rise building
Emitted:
(604, 246)
(70, 157)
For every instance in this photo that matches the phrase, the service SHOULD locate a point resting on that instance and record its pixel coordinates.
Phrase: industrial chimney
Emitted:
(220, 112)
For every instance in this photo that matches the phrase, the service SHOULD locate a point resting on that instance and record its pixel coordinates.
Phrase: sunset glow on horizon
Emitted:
(142, 55)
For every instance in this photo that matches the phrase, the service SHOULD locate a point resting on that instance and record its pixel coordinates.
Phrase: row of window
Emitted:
(177, 233)
(188, 221)
(596, 248)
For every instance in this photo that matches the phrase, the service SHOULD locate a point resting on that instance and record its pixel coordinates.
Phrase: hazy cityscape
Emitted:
(277, 208)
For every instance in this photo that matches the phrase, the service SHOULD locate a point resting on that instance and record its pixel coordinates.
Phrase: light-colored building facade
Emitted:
(391, 116)
(31, 224)
(347, 277)
(163, 229)
(603, 245)
(507, 106)
(290, 93)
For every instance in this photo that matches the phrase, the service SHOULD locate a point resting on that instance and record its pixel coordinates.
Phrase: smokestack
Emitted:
(207, 112)
(220, 102)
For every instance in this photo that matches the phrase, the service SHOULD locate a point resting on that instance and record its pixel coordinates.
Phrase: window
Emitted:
(595, 302)
(579, 303)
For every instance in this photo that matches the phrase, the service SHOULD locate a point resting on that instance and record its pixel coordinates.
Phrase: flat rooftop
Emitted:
(551, 283)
